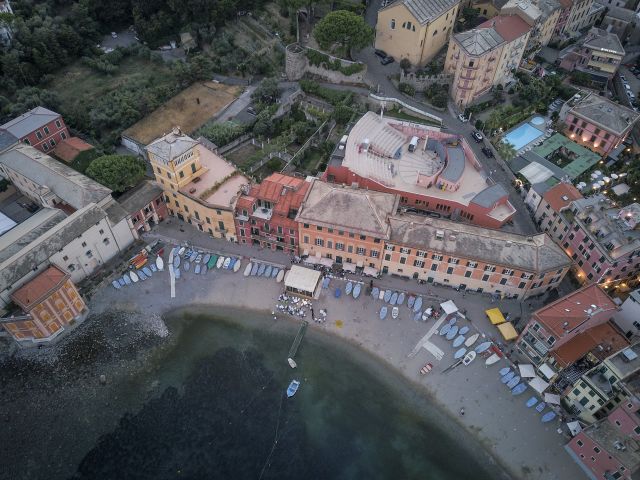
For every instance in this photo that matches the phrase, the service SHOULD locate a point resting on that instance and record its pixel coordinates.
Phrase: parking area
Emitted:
(124, 38)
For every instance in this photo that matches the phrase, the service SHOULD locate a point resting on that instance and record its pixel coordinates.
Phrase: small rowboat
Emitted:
(274, 272)
(518, 389)
(237, 265)
(453, 331)
(293, 388)
(375, 292)
(142, 275)
(116, 285)
(325, 282)
(471, 340)
(267, 271)
(186, 266)
(247, 269)
(122, 282)
(445, 329)
(513, 382)
(206, 259)
(426, 369)
(468, 358)
(280, 276)
(160, 263)
(387, 296)
(458, 341)
(226, 263)
(505, 379)
(356, 290)
(193, 257)
(212, 261)
(416, 317)
(181, 251)
(176, 262)
(482, 347)
(348, 288)
(460, 353)
(453, 321)
(134, 277)
(337, 293)
(417, 306)
(254, 269)
(395, 312)
(411, 301)
(464, 330)
(196, 270)
(220, 261)
(383, 312)
(147, 271)
(261, 269)
(400, 299)
(531, 402)
(177, 273)
(382, 294)
(394, 298)
(232, 262)
(204, 270)
(199, 258)
(153, 267)
(127, 280)
(492, 359)
(541, 406)
(547, 417)
(503, 371)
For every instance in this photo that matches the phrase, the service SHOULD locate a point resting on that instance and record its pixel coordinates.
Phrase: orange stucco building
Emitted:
(50, 302)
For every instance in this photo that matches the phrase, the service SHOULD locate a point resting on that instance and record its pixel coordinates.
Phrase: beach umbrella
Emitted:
(598, 172)
(596, 186)
(601, 183)
(614, 175)
(606, 179)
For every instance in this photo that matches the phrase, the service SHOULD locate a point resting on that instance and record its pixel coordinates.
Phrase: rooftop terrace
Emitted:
(582, 159)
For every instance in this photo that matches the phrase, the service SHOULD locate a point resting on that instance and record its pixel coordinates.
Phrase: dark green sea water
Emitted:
(221, 413)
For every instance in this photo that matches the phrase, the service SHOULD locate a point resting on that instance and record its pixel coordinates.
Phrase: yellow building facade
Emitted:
(200, 187)
(415, 29)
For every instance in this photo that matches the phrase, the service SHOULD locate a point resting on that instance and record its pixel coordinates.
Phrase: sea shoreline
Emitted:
(521, 450)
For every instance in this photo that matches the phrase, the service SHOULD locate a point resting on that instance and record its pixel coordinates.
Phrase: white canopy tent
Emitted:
(311, 260)
(527, 371)
(327, 262)
(370, 272)
(552, 398)
(302, 281)
(547, 371)
(538, 384)
(349, 267)
(449, 307)
(536, 173)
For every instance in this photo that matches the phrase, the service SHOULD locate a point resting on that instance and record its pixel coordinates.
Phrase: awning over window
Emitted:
(360, 264)
(311, 260)
(449, 307)
(495, 316)
(526, 370)
(371, 272)
(349, 267)
(327, 262)
(507, 331)
(547, 371)
(538, 384)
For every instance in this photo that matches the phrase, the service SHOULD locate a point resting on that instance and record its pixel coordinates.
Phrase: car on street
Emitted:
(487, 152)
(462, 118)
(381, 54)
(477, 136)
(387, 60)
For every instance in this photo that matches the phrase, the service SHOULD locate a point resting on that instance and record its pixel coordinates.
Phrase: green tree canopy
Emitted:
(222, 133)
(506, 150)
(345, 28)
(118, 172)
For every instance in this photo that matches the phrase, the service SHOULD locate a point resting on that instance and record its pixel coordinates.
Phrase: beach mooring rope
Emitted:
(275, 438)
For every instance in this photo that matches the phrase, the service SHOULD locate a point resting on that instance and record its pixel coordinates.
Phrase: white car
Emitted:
(462, 118)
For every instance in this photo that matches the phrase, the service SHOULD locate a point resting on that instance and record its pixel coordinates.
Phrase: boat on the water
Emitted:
(400, 299)
(547, 417)
(196, 270)
(492, 359)
(261, 269)
(356, 290)
(116, 285)
(220, 261)
(237, 265)
(395, 312)
(186, 266)
(482, 347)
(417, 306)
(541, 406)
(383, 312)
(468, 358)
(293, 388)
(518, 389)
(348, 288)
(127, 280)
(280, 276)
(247, 269)
(411, 301)
(394, 298)
(471, 340)
(134, 276)
(375, 292)
(226, 263)
(458, 341)
(159, 263)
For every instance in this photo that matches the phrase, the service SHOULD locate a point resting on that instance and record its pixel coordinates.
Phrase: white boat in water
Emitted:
(293, 388)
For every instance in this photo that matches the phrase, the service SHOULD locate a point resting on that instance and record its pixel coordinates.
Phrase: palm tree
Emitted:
(506, 150)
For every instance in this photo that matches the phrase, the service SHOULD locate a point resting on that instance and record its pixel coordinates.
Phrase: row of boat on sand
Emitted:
(517, 385)
(143, 273)
(351, 288)
(185, 258)
(257, 269)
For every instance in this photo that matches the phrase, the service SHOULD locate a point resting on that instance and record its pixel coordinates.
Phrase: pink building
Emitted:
(41, 128)
(597, 123)
(609, 449)
(145, 206)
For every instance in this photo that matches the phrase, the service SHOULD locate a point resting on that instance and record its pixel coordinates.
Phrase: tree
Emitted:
(345, 28)
(405, 64)
(267, 92)
(118, 172)
(506, 150)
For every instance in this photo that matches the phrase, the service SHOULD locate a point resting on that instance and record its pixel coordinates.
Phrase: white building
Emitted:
(628, 317)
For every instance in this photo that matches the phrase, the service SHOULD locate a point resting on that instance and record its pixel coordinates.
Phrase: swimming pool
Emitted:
(522, 136)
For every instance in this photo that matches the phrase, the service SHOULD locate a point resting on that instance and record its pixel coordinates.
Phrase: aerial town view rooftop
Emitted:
(384, 239)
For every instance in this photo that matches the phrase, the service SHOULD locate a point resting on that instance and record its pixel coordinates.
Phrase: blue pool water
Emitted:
(522, 135)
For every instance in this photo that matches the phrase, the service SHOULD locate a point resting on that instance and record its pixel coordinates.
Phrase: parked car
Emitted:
(487, 152)
(380, 54)
(387, 60)
(477, 136)
(462, 118)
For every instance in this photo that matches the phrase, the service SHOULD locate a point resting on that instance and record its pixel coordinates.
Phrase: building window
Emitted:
(106, 241)
(449, 270)
(471, 62)
(84, 244)
(393, 24)
(39, 134)
(374, 253)
(305, 239)
(418, 263)
(46, 147)
(434, 267)
(339, 246)
(404, 250)
(319, 242)
(503, 281)
(361, 251)
(421, 254)
(65, 258)
(63, 135)
(193, 168)
(26, 140)
(181, 174)
(436, 257)
(580, 444)
(58, 124)
(71, 267)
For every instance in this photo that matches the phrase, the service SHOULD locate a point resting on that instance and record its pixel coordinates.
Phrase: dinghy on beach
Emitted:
(531, 402)
(127, 280)
(356, 290)
(212, 261)
(232, 262)
(518, 389)
(247, 269)
(206, 259)
(503, 371)
(395, 312)
(471, 340)
(280, 276)
(116, 285)
(417, 306)
(177, 273)
(267, 271)
(134, 276)
(411, 301)
(186, 266)
(159, 263)
(237, 265)
(254, 269)
(383, 312)
(394, 298)
(204, 270)
(463, 330)
(482, 347)
(197, 269)
(226, 263)
(458, 341)
(176, 262)
(153, 267)
(382, 294)
(468, 358)
(400, 299)
(460, 353)
(453, 331)
(220, 261)
(348, 288)
(274, 272)
(121, 282)
(261, 269)
(492, 359)
(147, 271)
(181, 251)
(375, 292)
(387, 296)
(445, 329)
(142, 275)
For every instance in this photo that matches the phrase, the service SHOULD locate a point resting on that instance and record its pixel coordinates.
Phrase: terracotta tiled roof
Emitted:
(68, 149)
(569, 312)
(34, 291)
(283, 191)
(561, 195)
(604, 335)
(508, 27)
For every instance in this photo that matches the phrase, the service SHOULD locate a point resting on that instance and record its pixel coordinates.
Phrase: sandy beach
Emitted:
(511, 433)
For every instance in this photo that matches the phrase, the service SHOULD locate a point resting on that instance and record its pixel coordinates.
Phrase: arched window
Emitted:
(393, 24)
(404, 25)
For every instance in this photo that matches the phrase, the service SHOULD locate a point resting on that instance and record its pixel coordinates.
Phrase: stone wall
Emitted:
(297, 64)
(420, 82)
